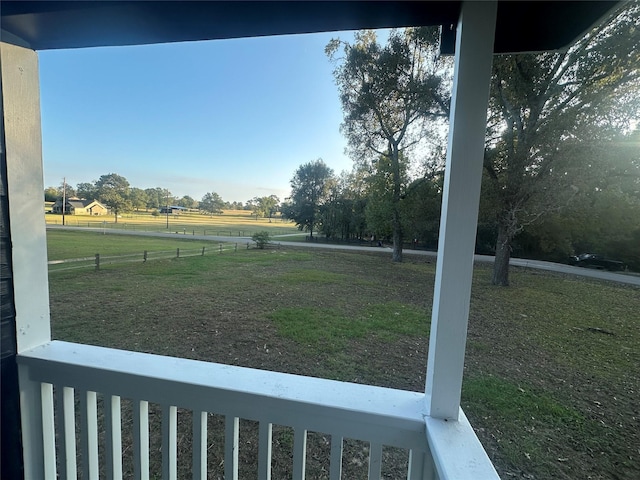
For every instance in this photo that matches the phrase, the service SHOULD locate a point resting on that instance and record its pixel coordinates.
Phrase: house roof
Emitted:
(521, 25)
(80, 202)
(76, 203)
(93, 203)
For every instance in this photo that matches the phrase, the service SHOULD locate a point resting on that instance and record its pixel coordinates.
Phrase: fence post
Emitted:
(177, 253)
(203, 251)
(236, 249)
(97, 261)
(247, 245)
(220, 248)
(194, 232)
(145, 256)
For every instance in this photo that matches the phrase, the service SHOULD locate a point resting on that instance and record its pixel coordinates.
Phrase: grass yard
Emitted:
(552, 368)
(66, 244)
(232, 223)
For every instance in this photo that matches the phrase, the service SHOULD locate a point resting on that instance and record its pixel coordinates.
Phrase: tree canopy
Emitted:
(212, 203)
(309, 189)
(392, 96)
(544, 109)
(265, 207)
(113, 190)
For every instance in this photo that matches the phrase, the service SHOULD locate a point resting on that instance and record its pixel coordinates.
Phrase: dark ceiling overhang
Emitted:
(521, 25)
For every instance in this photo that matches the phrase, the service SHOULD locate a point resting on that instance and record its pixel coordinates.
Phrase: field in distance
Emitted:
(239, 223)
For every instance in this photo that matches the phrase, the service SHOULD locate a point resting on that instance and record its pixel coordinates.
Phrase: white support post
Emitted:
(459, 216)
(23, 149)
(23, 143)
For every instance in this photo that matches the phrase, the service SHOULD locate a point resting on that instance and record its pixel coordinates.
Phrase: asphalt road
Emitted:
(625, 278)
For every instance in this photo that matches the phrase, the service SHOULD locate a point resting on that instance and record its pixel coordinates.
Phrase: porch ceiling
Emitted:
(521, 25)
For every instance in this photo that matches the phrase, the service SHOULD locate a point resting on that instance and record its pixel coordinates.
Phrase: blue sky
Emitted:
(236, 117)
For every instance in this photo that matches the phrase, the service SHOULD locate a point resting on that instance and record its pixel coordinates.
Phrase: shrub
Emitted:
(261, 238)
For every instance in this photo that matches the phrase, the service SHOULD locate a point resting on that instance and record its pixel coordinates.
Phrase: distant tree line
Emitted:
(115, 192)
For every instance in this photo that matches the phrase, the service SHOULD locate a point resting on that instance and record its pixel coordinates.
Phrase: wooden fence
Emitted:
(176, 227)
(99, 260)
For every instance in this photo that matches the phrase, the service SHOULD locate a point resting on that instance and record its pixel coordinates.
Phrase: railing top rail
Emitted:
(456, 451)
(394, 416)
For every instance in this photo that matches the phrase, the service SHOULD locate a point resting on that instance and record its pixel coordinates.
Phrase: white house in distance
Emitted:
(77, 206)
(36, 444)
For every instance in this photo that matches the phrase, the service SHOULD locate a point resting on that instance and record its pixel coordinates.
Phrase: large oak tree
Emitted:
(543, 108)
(390, 96)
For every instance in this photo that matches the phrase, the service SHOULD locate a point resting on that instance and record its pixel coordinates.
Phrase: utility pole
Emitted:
(64, 197)
(167, 209)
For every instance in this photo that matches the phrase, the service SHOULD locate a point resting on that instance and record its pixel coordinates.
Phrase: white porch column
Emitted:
(459, 216)
(23, 149)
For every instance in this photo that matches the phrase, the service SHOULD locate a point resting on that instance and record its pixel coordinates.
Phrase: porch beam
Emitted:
(460, 201)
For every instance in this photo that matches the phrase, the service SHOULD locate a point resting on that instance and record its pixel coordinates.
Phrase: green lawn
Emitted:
(552, 370)
(66, 244)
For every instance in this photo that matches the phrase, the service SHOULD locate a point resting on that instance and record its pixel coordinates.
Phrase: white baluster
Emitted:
(336, 457)
(199, 468)
(113, 426)
(264, 450)
(48, 432)
(375, 461)
(65, 410)
(141, 440)
(169, 442)
(232, 427)
(89, 435)
(299, 453)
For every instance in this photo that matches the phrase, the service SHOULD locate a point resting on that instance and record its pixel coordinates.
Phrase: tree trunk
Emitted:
(396, 223)
(503, 254)
(397, 236)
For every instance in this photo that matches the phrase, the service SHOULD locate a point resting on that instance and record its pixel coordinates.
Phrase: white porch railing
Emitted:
(380, 416)
(78, 373)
